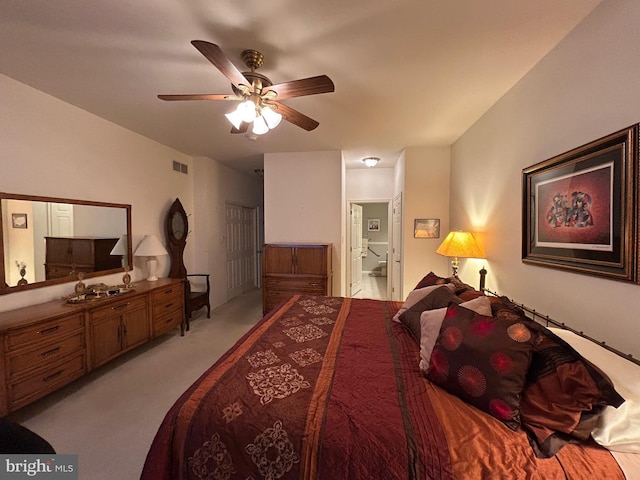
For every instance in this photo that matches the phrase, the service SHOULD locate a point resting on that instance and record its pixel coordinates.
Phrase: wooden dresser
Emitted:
(69, 255)
(44, 347)
(289, 269)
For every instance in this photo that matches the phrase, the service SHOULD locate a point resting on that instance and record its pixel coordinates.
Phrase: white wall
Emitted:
(369, 184)
(426, 195)
(304, 202)
(585, 88)
(51, 148)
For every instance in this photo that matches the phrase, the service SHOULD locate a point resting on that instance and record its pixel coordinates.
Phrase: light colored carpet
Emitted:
(109, 417)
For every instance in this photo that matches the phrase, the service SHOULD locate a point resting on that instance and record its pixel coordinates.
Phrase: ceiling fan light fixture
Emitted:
(272, 117)
(260, 126)
(371, 161)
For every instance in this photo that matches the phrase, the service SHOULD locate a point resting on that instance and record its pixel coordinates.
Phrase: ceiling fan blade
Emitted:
(244, 126)
(215, 55)
(302, 87)
(200, 96)
(295, 117)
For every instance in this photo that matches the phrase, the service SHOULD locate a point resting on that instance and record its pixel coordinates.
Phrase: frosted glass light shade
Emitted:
(260, 126)
(272, 117)
(235, 118)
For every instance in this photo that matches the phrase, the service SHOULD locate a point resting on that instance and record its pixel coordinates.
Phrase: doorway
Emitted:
(370, 229)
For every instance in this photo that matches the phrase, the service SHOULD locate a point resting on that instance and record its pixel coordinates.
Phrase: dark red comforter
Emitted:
(329, 388)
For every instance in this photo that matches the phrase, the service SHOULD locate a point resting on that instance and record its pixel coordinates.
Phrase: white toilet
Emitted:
(383, 266)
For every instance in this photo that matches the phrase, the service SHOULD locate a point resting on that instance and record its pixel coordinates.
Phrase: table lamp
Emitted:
(150, 247)
(459, 244)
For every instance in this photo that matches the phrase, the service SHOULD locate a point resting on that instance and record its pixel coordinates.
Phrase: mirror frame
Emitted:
(56, 281)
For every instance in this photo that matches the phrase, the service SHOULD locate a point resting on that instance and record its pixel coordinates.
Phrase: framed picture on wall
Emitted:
(373, 224)
(19, 220)
(579, 212)
(426, 228)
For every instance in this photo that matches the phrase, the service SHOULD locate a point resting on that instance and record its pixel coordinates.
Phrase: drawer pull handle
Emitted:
(314, 284)
(120, 307)
(168, 320)
(47, 331)
(168, 292)
(51, 352)
(168, 305)
(52, 376)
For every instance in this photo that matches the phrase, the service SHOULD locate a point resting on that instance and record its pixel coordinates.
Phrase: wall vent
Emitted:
(180, 167)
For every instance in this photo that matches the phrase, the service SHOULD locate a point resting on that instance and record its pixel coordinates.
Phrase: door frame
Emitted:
(389, 203)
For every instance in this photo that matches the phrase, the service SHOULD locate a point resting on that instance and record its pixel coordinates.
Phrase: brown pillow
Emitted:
(564, 396)
(431, 279)
(438, 298)
(484, 361)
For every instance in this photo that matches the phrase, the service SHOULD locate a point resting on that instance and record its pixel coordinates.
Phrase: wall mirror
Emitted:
(47, 241)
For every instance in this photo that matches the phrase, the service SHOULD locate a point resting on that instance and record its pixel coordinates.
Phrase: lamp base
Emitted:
(152, 265)
(454, 266)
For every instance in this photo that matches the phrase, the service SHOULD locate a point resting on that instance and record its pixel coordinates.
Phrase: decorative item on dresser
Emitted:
(289, 269)
(44, 347)
(177, 229)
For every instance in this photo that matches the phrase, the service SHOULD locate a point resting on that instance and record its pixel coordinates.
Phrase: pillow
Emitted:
(431, 321)
(438, 298)
(460, 286)
(565, 394)
(430, 279)
(483, 360)
(618, 429)
(415, 296)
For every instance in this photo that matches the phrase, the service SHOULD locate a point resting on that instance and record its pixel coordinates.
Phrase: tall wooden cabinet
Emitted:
(289, 269)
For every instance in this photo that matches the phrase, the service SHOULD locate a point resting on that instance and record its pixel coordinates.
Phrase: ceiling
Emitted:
(406, 72)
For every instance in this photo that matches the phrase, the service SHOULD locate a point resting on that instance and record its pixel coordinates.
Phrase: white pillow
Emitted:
(418, 294)
(618, 428)
(431, 321)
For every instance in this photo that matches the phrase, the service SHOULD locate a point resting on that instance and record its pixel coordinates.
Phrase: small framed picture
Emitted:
(19, 220)
(373, 224)
(426, 228)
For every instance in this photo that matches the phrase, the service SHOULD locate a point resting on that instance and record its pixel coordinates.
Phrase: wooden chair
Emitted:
(197, 299)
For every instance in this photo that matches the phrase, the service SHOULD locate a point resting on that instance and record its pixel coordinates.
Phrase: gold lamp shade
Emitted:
(459, 244)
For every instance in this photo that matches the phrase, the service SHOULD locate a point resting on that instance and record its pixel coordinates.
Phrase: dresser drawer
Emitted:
(45, 331)
(310, 285)
(44, 381)
(120, 307)
(167, 300)
(168, 321)
(44, 354)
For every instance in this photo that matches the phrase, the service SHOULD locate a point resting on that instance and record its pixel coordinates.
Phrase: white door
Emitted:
(241, 249)
(60, 219)
(396, 249)
(356, 249)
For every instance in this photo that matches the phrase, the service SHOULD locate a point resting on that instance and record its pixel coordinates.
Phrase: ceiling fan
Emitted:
(259, 98)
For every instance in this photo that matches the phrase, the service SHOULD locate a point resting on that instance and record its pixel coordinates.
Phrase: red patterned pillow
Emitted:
(430, 279)
(483, 360)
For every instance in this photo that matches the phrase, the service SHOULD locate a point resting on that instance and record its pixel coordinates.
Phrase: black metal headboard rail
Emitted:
(546, 321)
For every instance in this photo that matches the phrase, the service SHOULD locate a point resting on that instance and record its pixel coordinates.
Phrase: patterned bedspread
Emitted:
(329, 388)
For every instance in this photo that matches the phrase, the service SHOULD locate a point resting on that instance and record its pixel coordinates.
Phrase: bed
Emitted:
(341, 388)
